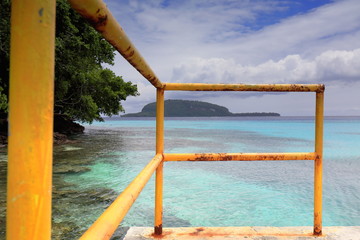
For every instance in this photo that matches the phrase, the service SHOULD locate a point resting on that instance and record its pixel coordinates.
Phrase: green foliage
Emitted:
(3, 101)
(84, 89)
(4, 54)
(186, 108)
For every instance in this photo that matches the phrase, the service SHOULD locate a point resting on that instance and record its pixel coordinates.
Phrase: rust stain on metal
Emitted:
(158, 230)
(321, 88)
(239, 156)
(231, 157)
(202, 157)
(225, 157)
(215, 157)
(164, 234)
(128, 54)
(101, 18)
(205, 233)
(98, 21)
(317, 232)
(196, 232)
(246, 87)
(317, 227)
(152, 79)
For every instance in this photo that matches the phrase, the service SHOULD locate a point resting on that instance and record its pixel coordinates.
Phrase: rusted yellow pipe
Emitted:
(99, 16)
(244, 87)
(31, 100)
(159, 121)
(107, 223)
(319, 128)
(238, 156)
(159, 171)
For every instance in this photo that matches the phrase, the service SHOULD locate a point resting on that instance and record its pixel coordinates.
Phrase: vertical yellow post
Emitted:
(319, 125)
(159, 170)
(31, 120)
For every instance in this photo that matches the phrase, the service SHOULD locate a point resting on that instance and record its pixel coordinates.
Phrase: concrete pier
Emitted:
(248, 233)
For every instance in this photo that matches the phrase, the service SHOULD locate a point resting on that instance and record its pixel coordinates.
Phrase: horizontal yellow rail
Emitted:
(99, 16)
(238, 156)
(244, 87)
(107, 223)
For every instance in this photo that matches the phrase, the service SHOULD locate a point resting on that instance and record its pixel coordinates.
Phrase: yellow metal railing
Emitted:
(31, 119)
(29, 183)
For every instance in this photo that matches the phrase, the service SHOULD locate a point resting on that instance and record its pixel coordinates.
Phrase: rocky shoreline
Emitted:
(67, 196)
(64, 128)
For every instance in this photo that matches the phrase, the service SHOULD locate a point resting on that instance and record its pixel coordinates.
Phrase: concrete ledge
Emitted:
(258, 233)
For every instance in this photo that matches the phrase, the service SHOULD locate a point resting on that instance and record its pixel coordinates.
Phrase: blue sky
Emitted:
(259, 41)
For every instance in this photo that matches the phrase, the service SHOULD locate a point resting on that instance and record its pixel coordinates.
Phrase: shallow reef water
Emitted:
(96, 166)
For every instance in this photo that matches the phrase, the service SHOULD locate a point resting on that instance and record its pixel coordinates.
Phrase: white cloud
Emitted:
(328, 66)
(223, 28)
(202, 20)
(215, 42)
(331, 27)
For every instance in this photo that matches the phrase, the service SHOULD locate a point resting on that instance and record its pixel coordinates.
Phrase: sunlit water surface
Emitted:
(91, 171)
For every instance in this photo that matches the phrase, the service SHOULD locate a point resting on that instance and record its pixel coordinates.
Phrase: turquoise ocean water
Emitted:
(90, 172)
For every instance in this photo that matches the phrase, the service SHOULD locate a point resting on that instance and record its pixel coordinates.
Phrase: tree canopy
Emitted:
(84, 89)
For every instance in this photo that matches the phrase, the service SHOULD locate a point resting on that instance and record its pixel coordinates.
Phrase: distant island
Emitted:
(186, 108)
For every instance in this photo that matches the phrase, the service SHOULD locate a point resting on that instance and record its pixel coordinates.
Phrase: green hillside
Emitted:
(186, 108)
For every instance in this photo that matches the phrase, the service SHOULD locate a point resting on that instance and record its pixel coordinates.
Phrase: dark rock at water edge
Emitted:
(60, 138)
(63, 127)
(70, 169)
(3, 131)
